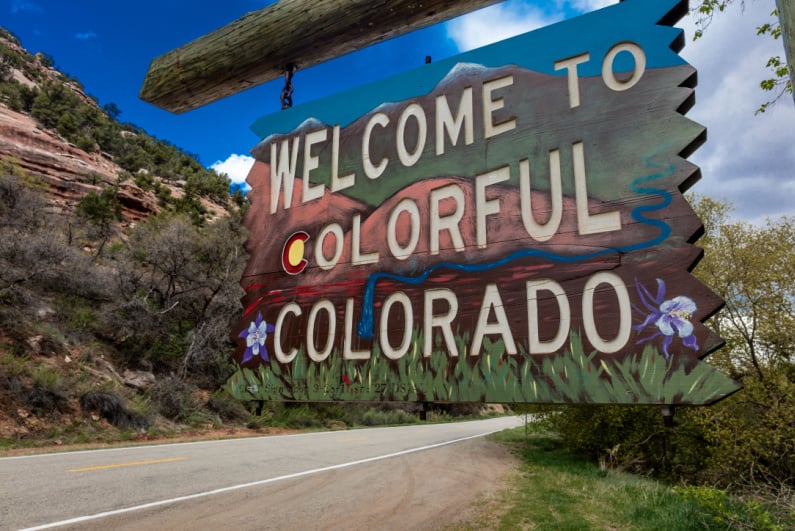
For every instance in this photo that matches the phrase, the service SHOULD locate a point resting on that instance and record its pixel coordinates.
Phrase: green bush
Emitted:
(721, 510)
(101, 209)
(47, 394)
(379, 417)
(750, 437)
(174, 399)
(112, 408)
(13, 364)
(226, 407)
(300, 416)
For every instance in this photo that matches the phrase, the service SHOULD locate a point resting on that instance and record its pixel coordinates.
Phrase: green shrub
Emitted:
(102, 208)
(14, 364)
(47, 395)
(300, 416)
(112, 408)
(720, 509)
(630, 437)
(750, 436)
(226, 407)
(174, 399)
(164, 353)
(378, 417)
(83, 318)
(47, 378)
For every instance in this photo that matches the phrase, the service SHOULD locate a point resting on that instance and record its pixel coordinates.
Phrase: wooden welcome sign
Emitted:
(506, 225)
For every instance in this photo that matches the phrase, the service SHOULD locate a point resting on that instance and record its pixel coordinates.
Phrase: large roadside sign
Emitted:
(506, 225)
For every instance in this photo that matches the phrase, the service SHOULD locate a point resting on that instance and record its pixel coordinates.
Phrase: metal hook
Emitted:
(287, 91)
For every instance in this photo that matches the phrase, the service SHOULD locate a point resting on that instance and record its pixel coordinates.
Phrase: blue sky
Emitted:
(108, 46)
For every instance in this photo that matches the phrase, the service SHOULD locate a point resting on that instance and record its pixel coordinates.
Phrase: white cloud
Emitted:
(86, 35)
(747, 159)
(511, 18)
(496, 23)
(588, 5)
(236, 167)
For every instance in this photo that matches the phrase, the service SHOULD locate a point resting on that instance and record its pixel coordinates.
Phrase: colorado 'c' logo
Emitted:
(293, 261)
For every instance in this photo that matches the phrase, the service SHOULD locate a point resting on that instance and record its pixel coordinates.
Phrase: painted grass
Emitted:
(494, 376)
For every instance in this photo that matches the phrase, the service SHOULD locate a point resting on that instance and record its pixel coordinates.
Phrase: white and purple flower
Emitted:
(671, 317)
(255, 336)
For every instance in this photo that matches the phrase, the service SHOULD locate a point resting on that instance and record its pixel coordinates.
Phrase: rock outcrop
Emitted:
(69, 172)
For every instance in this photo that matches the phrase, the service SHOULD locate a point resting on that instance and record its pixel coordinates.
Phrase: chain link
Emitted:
(287, 91)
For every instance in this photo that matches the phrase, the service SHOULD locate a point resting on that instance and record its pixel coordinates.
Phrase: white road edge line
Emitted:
(223, 490)
(211, 441)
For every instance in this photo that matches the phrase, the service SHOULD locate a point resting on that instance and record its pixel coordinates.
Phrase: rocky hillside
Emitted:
(69, 172)
(52, 130)
(120, 258)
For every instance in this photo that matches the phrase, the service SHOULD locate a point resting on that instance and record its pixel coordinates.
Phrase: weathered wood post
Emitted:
(256, 48)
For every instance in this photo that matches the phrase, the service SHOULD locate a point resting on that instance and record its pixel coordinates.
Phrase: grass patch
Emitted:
(554, 489)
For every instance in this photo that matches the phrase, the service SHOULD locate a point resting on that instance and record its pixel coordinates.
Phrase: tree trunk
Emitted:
(786, 15)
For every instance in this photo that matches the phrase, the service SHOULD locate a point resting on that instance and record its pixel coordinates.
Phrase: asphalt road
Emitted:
(280, 482)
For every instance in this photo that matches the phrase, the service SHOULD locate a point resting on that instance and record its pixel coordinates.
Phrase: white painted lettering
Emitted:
(487, 207)
(281, 355)
(464, 119)
(357, 258)
(346, 181)
(624, 312)
(370, 170)
(492, 301)
(608, 71)
(535, 345)
(403, 300)
(347, 348)
(312, 162)
(491, 104)
(283, 170)
(407, 158)
(570, 64)
(450, 222)
(443, 321)
(323, 305)
(402, 252)
(321, 260)
(588, 223)
(541, 231)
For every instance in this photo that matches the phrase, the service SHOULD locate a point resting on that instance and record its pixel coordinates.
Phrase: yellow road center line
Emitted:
(122, 465)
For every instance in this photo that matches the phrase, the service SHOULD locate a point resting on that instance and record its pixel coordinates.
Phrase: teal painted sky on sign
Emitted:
(538, 50)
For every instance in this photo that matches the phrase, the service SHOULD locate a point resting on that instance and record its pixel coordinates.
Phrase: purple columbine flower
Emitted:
(255, 336)
(671, 317)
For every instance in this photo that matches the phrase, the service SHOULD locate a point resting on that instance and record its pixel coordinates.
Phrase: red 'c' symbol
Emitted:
(293, 261)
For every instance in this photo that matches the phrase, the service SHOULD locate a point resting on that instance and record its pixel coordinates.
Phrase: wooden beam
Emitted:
(256, 48)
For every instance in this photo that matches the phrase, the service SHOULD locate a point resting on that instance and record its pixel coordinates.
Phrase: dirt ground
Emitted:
(442, 488)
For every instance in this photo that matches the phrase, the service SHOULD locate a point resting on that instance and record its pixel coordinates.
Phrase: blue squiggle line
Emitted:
(365, 326)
